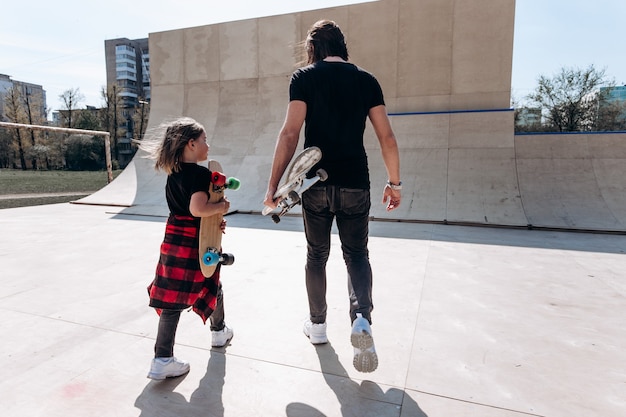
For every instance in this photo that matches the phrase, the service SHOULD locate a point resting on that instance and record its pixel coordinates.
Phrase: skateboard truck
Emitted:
(292, 196)
(219, 180)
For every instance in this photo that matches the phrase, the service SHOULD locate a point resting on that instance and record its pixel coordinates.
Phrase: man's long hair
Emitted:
(325, 39)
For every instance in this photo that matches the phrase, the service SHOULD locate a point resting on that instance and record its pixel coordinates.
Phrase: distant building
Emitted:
(615, 94)
(61, 116)
(128, 69)
(34, 93)
(527, 118)
(5, 85)
(128, 77)
(613, 108)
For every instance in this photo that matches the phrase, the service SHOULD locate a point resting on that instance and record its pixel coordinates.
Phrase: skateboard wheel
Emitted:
(294, 196)
(322, 174)
(210, 258)
(228, 259)
(218, 179)
(233, 183)
(276, 218)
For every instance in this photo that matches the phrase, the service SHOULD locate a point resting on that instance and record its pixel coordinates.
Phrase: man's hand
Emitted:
(269, 199)
(391, 198)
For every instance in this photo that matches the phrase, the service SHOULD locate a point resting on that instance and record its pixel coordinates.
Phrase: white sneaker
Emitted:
(162, 368)
(221, 337)
(365, 358)
(316, 332)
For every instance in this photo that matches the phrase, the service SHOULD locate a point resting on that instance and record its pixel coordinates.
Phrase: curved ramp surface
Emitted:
(575, 181)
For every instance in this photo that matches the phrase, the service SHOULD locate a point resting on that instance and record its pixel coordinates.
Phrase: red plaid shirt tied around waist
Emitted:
(178, 282)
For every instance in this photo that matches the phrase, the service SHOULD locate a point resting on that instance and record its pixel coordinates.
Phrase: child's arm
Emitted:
(199, 205)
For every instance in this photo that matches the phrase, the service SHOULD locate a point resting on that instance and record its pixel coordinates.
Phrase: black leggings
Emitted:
(168, 323)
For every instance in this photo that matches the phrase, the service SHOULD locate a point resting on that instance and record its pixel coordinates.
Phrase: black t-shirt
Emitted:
(338, 96)
(182, 184)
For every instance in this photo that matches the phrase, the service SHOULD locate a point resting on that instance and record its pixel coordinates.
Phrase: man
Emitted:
(333, 99)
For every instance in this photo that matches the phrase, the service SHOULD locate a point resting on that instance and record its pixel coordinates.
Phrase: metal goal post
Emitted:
(107, 139)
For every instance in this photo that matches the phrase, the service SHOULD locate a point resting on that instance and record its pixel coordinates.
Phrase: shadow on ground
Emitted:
(364, 399)
(500, 236)
(206, 400)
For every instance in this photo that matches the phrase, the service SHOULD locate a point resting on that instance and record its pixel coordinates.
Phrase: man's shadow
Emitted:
(159, 399)
(367, 397)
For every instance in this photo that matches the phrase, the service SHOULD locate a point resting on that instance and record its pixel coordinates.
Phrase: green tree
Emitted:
(87, 119)
(6, 148)
(84, 152)
(570, 99)
(55, 149)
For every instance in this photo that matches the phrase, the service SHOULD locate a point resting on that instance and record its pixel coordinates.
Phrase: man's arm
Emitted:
(285, 147)
(391, 157)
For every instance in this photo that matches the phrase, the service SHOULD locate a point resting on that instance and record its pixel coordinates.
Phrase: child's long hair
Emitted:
(167, 148)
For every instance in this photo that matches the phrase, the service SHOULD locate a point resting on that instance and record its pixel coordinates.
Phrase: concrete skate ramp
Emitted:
(445, 68)
(573, 181)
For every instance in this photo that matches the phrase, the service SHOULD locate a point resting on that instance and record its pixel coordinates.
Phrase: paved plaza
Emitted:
(468, 321)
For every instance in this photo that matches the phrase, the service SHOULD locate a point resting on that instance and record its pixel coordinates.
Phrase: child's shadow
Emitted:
(159, 399)
(356, 399)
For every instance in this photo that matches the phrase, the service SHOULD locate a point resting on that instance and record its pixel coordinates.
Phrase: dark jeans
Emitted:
(350, 208)
(168, 323)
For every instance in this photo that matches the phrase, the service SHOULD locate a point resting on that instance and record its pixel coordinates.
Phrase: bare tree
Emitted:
(33, 106)
(15, 113)
(71, 99)
(140, 118)
(111, 114)
(570, 99)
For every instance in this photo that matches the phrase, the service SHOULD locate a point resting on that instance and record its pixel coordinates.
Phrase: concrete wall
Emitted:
(445, 68)
(429, 55)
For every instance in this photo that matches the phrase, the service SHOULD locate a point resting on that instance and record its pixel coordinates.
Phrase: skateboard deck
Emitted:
(289, 193)
(210, 247)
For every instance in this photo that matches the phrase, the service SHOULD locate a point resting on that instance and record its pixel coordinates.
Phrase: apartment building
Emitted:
(128, 77)
(30, 93)
(128, 69)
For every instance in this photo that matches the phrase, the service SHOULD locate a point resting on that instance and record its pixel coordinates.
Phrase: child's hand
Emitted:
(224, 201)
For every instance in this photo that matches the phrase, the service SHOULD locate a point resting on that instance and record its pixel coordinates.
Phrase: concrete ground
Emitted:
(468, 322)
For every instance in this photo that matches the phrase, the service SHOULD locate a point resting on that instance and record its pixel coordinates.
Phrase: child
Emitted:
(178, 281)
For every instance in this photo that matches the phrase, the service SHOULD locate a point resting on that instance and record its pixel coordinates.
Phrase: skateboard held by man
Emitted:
(210, 248)
(289, 193)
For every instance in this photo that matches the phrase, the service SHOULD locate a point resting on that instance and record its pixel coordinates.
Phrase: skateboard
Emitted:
(290, 192)
(210, 248)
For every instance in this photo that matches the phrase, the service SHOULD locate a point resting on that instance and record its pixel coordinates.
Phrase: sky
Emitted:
(60, 44)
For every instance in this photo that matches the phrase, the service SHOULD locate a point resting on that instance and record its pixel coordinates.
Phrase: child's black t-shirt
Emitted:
(182, 184)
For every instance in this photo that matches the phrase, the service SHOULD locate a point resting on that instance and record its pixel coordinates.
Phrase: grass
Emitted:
(75, 183)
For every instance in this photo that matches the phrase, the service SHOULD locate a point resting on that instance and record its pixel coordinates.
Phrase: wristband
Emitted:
(395, 187)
